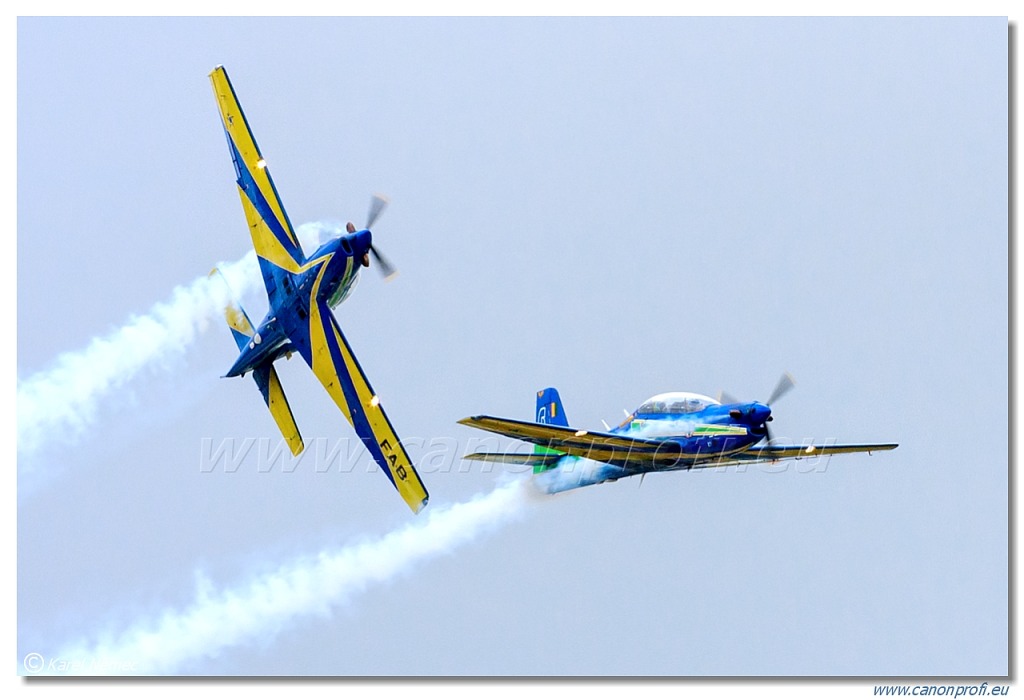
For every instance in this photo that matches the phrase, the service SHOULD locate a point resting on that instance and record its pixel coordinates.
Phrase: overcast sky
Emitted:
(615, 207)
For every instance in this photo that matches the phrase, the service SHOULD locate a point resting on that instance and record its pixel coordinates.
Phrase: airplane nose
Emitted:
(361, 243)
(762, 413)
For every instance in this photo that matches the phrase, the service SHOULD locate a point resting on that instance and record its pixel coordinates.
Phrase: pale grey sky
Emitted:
(616, 207)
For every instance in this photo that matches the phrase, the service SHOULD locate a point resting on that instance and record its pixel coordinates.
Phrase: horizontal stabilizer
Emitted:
(273, 395)
(589, 444)
(524, 459)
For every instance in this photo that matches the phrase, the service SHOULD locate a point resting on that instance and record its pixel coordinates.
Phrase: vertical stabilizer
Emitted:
(549, 408)
(549, 412)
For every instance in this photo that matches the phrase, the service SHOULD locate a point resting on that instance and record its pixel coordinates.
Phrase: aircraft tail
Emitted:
(265, 376)
(549, 408)
(238, 321)
(549, 412)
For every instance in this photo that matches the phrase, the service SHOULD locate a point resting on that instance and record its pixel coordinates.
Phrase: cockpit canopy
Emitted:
(676, 402)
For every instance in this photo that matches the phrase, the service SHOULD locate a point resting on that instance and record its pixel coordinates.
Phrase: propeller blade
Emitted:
(386, 268)
(724, 397)
(785, 384)
(377, 205)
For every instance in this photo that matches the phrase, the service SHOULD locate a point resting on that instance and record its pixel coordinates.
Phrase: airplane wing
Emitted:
(601, 447)
(639, 454)
(272, 234)
(522, 459)
(329, 355)
(778, 453)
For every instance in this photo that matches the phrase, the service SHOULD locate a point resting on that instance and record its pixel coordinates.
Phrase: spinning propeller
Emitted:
(377, 205)
(783, 386)
(781, 389)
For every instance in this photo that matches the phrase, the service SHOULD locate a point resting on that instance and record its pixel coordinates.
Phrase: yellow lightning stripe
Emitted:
(323, 364)
(238, 129)
(264, 241)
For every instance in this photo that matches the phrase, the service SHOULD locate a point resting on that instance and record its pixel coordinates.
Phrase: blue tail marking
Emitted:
(549, 408)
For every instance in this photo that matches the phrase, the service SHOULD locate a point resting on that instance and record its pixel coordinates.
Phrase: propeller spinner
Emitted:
(782, 388)
(377, 205)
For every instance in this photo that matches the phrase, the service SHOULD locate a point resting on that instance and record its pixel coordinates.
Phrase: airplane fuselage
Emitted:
(328, 277)
(693, 429)
(719, 429)
(668, 432)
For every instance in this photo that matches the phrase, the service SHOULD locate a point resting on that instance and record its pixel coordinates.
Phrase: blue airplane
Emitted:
(302, 291)
(668, 432)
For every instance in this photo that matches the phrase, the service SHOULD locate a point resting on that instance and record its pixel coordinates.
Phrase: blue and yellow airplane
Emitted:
(668, 432)
(302, 291)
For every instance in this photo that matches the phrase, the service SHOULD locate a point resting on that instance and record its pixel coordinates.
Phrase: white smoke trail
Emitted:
(312, 586)
(65, 396)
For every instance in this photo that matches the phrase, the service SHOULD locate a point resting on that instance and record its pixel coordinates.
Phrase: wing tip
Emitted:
(417, 508)
(879, 447)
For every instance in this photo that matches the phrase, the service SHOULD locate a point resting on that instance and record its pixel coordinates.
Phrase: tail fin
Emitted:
(549, 412)
(549, 408)
(238, 321)
(265, 376)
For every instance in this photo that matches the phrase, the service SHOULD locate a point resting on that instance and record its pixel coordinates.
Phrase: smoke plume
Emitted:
(256, 610)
